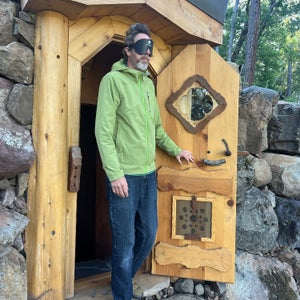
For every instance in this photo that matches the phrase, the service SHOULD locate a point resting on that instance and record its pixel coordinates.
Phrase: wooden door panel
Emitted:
(196, 202)
(188, 180)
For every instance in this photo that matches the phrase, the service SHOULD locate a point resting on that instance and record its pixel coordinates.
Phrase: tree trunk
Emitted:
(289, 80)
(265, 23)
(242, 37)
(252, 40)
(232, 29)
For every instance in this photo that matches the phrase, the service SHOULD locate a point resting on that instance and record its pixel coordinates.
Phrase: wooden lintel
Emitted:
(193, 180)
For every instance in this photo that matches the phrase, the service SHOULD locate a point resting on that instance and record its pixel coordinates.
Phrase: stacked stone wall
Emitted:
(268, 196)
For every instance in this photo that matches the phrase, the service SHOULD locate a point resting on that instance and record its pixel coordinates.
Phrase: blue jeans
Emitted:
(134, 223)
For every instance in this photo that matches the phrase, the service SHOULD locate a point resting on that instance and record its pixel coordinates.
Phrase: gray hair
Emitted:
(132, 32)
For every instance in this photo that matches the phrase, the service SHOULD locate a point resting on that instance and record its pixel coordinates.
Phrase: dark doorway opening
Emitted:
(93, 235)
(93, 241)
(85, 230)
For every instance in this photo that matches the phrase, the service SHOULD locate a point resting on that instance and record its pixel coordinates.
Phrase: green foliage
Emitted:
(278, 46)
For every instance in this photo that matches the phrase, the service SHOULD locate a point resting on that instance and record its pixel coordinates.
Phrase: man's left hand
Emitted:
(187, 155)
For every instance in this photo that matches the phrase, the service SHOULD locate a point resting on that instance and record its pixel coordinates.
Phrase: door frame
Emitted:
(109, 29)
(51, 235)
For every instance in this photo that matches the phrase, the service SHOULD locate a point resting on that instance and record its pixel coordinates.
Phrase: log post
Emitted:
(74, 89)
(47, 190)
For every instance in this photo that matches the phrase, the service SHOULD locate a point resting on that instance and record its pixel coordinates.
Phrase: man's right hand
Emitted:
(120, 187)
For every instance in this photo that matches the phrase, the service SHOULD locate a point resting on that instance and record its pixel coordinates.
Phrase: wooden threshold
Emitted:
(94, 287)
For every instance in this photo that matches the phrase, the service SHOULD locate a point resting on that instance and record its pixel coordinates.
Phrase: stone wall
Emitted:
(16, 148)
(268, 198)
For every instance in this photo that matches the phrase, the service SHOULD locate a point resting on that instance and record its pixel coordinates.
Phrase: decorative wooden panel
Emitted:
(197, 202)
(192, 218)
(195, 103)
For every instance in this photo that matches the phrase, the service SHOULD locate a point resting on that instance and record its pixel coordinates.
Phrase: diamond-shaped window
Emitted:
(195, 103)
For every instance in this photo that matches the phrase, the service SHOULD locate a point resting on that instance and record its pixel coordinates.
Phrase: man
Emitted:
(128, 128)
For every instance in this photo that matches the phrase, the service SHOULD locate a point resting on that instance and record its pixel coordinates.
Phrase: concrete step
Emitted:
(151, 284)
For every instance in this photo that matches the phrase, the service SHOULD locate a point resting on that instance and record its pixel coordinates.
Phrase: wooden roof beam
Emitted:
(180, 14)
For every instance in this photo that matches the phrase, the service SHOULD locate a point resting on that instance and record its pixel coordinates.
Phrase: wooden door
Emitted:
(198, 98)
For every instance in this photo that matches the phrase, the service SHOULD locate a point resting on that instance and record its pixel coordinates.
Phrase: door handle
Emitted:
(227, 151)
(217, 162)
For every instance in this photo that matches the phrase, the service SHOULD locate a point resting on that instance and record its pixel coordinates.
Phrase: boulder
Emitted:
(284, 128)
(270, 95)
(262, 171)
(256, 223)
(254, 114)
(16, 149)
(285, 174)
(8, 10)
(13, 279)
(24, 32)
(12, 224)
(16, 62)
(262, 278)
(245, 175)
(20, 103)
(184, 286)
(288, 213)
(5, 88)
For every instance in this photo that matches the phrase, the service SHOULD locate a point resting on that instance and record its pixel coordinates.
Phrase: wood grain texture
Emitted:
(192, 256)
(74, 81)
(200, 180)
(193, 181)
(45, 234)
(177, 22)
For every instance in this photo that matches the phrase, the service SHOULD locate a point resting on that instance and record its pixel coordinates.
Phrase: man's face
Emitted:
(136, 58)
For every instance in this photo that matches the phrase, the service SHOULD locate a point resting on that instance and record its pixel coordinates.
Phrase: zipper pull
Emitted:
(149, 104)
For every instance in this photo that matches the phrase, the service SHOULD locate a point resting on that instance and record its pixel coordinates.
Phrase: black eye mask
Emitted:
(141, 46)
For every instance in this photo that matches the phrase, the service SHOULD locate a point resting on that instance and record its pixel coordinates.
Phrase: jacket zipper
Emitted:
(146, 119)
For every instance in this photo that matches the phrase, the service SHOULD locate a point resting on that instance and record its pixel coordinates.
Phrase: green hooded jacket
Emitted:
(128, 124)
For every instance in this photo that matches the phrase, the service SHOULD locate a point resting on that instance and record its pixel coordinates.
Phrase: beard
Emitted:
(142, 66)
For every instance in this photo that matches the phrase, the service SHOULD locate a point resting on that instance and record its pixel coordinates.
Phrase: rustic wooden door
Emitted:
(198, 97)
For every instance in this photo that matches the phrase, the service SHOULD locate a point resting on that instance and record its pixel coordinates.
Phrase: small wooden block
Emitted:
(75, 162)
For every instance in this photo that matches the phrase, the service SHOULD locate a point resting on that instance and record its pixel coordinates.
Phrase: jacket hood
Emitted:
(121, 67)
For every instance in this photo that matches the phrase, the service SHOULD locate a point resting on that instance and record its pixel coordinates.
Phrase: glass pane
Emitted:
(202, 103)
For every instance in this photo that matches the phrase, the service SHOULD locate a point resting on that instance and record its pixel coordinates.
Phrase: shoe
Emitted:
(137, 291)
